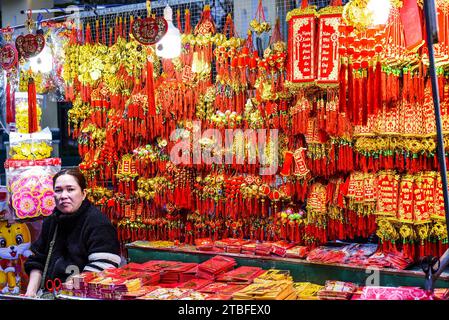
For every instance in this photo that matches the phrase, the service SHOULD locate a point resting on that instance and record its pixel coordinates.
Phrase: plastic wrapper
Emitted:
(393, 293)
(328, 255)
(297, 252)
(337, 290)
(30, 183)
(21, 102)
(35, 146)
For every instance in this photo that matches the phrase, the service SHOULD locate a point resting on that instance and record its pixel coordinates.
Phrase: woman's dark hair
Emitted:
(74, 172)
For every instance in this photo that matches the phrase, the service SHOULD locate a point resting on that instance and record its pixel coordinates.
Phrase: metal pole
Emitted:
(20, 26)
(70, 9)
(432, 38)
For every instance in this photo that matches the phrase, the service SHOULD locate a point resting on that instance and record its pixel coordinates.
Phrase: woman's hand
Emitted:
(34, 283)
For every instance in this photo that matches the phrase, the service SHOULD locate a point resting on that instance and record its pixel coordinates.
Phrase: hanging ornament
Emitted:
(30, 45)
(330, 18)
(301, 44)
(300, 162)
(206, 25)
(149, 30)
(8, 53)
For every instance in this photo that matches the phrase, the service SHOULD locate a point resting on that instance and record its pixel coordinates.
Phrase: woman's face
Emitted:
(68, 194)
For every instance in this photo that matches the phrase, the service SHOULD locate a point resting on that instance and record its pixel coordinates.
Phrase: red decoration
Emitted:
(412, 23)
(30, 45)
(301, 46)
(32, 107)
(328, 55)
(206, 25)
(8, 56)
(300, 162)
(149, 30)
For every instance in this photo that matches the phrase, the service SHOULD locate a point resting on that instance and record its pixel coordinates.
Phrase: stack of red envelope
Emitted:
(223, 243)
(132, 266)
(297, 252)
(204, 244)
(159, 265)
(79, 284)
(241, 275)
(173, 273)
(264, 248)
(222, 288)
(150, 278)
(249, 248)
(280, 248)
(360, 253)
(194, 284)
(188, 274)
(328, 255)
(211, 268)
(337, 290)
(394, 260)
(138, 293)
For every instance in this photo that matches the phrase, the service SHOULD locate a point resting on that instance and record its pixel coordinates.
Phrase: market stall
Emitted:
(315, 153)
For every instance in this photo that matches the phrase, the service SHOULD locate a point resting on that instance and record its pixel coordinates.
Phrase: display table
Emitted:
(301, 270)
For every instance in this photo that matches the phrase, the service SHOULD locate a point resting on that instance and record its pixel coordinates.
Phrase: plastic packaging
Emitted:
(35, 146)
(21, 102)
(31, 186)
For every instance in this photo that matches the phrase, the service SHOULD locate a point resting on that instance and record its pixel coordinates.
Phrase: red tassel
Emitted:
(342, 92)
(377, 106)
(357, 101)
(370, 90)
(364, 100)
(150, 90)
(350, 103)
(88, 38)
(187, 25)
(10, 114)
(32, 107)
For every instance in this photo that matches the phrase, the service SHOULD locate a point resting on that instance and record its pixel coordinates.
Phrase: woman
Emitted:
(85, 238)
